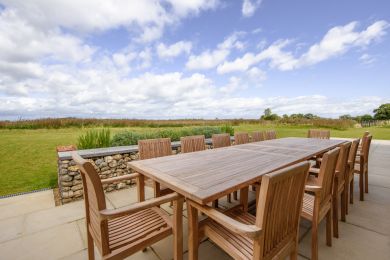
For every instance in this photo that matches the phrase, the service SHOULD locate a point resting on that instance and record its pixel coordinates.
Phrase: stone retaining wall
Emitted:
(108, 162)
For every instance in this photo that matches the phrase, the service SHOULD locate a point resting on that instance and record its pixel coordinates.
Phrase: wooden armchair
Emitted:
(152, 148)
(258, 136)
(118, 233)
(319, 134)
(339, 191)
(220, 140)
(191, 144)
(241, 138)
(361, 165)
(270, 134)
(365, 134)
(272, 234)
(351, 167)
(317, 204)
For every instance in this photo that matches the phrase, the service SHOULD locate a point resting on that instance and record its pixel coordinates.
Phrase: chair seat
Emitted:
(314, 171)
(237, 245)
(138, 227)
(307, 206)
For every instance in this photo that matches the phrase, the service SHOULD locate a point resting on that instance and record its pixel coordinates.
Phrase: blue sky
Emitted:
(192, 59)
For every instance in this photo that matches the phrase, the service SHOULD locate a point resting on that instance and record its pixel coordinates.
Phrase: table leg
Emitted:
(141, 188)
(178, 229)
(244, 198)
(193, 238)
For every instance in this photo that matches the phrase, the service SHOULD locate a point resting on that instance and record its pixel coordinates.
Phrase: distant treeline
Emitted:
(56, 123)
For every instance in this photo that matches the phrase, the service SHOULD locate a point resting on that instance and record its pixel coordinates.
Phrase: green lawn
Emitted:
(28, 157)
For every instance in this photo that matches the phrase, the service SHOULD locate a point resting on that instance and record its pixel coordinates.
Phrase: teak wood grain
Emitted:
(208, 175)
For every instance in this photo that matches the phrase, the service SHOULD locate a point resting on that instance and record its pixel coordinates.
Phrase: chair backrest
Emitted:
(152, 148)
(327, 172)
(220, 140)
(94, 202)
(191, 144)
(342, 161)
(319, 134)
(352, 155)
(270, 134)
(241, 138)
(366, 143)
(258, 136)
(279, 208)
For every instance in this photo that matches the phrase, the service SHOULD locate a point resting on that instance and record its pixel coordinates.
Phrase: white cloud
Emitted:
(367, 59)
(173, 50)
(88, 16)
(249, 7)
(336, 41)
(210, 59)
(19, 42)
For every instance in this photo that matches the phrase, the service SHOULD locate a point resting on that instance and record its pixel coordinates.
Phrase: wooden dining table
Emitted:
(205, 176)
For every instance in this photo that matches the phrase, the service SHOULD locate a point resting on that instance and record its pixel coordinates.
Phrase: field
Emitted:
(28, 157)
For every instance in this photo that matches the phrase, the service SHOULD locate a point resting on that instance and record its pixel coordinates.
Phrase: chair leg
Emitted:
(235, 195)
(361, 187)
(314, 240)
(329, 228)
(351, 188)
(346, 189)
(215, 204)
(366, 180)
(335, 216)
(343, 203)
(157, 192)
(294, 255)
(91, 252)
(229, 198)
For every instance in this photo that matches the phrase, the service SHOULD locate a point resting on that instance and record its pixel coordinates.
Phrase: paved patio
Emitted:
(31, 227)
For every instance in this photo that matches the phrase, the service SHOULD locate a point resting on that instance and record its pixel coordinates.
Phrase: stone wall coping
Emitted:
(101, 152)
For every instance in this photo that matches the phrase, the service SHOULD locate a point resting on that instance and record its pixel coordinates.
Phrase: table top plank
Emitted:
(207, 175)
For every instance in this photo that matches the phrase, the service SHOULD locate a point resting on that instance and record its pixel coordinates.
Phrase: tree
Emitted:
(345, 117)
(309, 116)
(268, 115)
(366, 117)
(267, 112)
(382, 112)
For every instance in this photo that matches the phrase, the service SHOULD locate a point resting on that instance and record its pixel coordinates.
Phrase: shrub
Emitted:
(227, 129)
(131, 138)
(94, 139)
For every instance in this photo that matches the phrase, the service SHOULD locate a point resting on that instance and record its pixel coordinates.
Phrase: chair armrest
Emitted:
(313, 188)
(115, 213)
(120, 178)
(233, 225)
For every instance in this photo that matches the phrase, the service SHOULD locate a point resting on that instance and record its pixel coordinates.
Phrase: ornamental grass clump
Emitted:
(94, 139)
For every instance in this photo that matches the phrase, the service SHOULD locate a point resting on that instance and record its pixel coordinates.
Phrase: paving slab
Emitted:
(48, 218)
(371, 214)
(208, 250)
(23, 204)
(11, 228)
(127, 197)
(52, 243)
(83, 255)
(354, 243)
